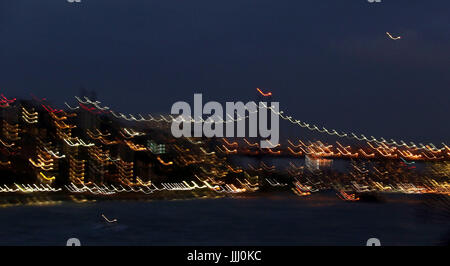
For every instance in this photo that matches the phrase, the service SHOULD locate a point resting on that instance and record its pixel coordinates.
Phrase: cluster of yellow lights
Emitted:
(27, 188)
(11, 132)
(150, 188)
(319, 149)
(102, 137)
(76, 169)
(129, 133)
(29, 117)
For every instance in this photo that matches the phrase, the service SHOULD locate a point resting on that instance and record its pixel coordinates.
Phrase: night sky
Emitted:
(327, 62)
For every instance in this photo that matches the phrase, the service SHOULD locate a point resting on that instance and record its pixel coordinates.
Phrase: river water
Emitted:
(274, 219)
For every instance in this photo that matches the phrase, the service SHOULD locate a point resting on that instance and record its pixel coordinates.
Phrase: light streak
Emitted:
(108, 220)
(264, 94)
(47, 178)
(5, 102)
(164, 163)
(347, 197)
(78, 142)
(28, 188)
(393, 38)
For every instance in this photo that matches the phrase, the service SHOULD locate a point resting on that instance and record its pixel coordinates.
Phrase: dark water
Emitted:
(278, 219)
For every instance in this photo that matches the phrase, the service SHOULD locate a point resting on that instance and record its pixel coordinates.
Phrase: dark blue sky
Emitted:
(328, 62)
